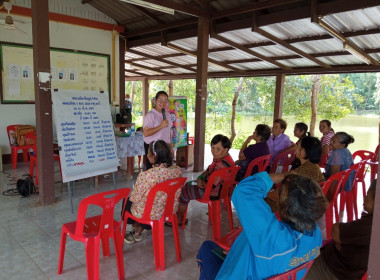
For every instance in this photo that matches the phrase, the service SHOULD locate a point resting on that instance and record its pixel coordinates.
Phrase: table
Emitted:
(130, 147)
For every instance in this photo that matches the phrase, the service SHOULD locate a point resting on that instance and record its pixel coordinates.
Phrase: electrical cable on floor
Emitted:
(11, 178)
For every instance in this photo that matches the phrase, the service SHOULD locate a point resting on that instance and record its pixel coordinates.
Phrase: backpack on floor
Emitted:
(26, 187)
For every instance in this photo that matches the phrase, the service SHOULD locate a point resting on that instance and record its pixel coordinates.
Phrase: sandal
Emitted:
(169, 224)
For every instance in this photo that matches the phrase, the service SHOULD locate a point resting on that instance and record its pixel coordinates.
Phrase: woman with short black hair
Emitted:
(220, 145)
(248, 153)
(340, 157)
(160, 156)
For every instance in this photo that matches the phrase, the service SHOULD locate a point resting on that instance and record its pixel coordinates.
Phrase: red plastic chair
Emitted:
(374, 163)
(292, 274)
(226, 241)
(261, 163)
(322, 162)
(348, 199)
(225, 196)
(366, 156)
(285, 159)
(170, 188)
(92, 230)
(15, 149)
(32, 137)
(335, 181)
(228, 175)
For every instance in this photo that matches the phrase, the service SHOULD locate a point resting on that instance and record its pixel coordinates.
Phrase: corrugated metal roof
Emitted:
(294, 41)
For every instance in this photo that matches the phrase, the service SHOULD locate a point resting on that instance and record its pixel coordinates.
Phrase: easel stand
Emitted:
(70, 187)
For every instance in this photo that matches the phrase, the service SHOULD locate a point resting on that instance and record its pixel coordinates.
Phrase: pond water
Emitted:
(365, 129)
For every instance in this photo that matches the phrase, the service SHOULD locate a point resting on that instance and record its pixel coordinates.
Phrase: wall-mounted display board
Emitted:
(72, 70)
(85, 134)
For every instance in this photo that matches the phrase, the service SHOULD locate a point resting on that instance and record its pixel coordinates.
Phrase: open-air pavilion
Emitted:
(195, 39)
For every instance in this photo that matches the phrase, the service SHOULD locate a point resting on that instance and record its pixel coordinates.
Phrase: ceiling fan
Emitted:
(9, 23)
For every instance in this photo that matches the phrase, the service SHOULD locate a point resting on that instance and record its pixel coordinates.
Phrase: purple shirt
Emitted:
(154, 119)
(281, 142)
(256, 150)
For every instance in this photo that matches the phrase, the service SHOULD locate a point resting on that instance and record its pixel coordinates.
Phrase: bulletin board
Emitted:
(70, 70)
(85, 134)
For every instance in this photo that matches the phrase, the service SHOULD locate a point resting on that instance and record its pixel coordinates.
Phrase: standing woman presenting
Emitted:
(157, 124)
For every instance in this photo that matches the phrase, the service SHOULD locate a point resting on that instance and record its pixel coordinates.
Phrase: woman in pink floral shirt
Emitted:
(161, 158)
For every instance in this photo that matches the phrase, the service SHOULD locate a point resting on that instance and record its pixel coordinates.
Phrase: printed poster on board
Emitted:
(178, 114)
(85, 133)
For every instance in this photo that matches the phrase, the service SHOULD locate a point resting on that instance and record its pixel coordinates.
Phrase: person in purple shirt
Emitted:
(278, 141)
(156, 126)
(248, 153)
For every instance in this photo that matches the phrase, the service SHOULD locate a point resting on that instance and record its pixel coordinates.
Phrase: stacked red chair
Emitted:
(15, 148)
(32, 138)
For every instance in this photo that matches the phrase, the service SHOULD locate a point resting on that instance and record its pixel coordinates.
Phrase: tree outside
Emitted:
(339, 95)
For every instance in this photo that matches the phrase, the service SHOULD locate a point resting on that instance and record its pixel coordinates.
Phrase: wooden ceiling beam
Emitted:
(250, 60)
(247, 50)
(261, 73)
(185, 9)
(163, 27)
(160, 56)
(132, 20)
(338, 6)
(289, 46)
(346, 43)
(210, 60)
(204, 4)
(162, 60)
(149, 14)
(254, 6)
(153, 69)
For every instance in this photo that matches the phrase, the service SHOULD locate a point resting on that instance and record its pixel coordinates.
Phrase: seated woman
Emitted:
(328, 133)
(160, 156)
(247, 154)
(340, 157)
(267, 246)
(300, 131)
(308, 152)
(278, 141)
(220, 146)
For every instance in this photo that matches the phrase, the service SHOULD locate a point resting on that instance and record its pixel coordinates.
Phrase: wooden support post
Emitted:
(201, 93)
(279, 96)
(43, 107)
(121, 72)
(145, 98)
